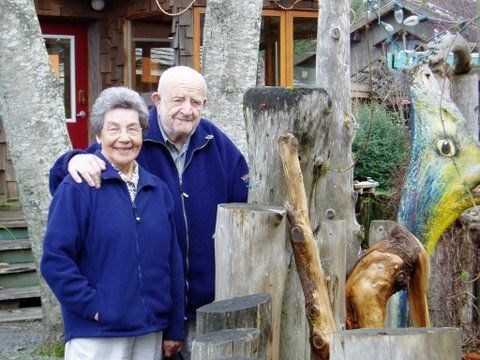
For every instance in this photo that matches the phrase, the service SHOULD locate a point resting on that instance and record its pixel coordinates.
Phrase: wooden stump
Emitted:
(306, 113)
(251, 311)
(250, 257)
(226, 344)
(397, 344)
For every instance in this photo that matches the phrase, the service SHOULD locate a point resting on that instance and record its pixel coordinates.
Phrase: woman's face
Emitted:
(121, 138)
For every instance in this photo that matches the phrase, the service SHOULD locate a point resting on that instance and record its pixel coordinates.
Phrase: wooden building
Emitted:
(95, 44)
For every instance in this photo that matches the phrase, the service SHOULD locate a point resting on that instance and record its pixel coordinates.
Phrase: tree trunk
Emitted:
(305, 113)
(333, 75)
(332, 249)
(251, 311)
(314, 282)
(250, 256)
(31, 107)
(231, 38)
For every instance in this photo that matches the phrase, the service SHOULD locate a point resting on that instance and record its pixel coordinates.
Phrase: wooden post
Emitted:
(306, 113)
(226, 343)
(332, 249)
(314, 282)
(397, 344)
(250, 257)
(251, 311)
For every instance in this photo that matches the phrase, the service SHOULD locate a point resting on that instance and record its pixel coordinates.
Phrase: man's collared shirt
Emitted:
(178, 156)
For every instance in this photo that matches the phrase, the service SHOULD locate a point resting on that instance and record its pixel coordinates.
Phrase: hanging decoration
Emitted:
(294, 2)
(177, 13)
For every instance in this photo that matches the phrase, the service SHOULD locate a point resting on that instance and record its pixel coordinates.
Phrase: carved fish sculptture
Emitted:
(443, 175)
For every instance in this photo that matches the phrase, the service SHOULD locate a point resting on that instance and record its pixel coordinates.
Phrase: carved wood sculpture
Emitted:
(442, 181)
(314, 283)
(398, 262)
(443, 175)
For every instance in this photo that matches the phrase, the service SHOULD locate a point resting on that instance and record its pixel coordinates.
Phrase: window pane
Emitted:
(152, 58)
(59, 54)
(269, 56)
(304, 51)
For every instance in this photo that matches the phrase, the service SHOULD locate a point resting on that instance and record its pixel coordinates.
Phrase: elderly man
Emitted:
(201, 167)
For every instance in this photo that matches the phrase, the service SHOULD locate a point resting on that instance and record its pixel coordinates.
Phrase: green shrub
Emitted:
(380, 145)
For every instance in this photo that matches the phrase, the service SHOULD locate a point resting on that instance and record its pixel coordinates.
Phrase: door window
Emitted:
(60, 50)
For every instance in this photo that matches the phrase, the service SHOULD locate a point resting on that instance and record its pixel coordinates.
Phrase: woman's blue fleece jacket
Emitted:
(215, 172)
(104, 253)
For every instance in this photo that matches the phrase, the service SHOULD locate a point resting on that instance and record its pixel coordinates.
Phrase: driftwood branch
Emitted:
(314, 283)
(397, 262)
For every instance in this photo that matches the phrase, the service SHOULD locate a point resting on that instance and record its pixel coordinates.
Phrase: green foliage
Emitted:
(52, 351)
(465, 276)
(380, 145)
(358, 9)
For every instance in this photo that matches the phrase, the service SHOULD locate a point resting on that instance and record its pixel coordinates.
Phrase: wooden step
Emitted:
(6, 268)
(24, 292)
(12, 219)
(21, 314)
(11, 233)
(20, 244)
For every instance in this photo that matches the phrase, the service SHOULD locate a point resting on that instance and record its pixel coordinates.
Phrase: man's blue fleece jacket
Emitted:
(215, 172)
(104, 253)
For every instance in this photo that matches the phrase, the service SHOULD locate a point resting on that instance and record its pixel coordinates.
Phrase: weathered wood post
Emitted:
(250, 257)
(305, 113)
(225, 344)
(397, 344)
(251, 311)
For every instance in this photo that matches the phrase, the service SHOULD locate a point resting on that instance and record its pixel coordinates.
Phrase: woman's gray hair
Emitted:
(118, 97)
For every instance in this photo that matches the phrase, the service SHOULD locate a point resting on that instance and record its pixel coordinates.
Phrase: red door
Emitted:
(67, 50)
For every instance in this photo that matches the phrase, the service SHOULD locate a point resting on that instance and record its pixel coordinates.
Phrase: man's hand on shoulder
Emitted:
(87, 167)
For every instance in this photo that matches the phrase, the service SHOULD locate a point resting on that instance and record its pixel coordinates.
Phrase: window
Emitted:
(287, 52)
(151, 53)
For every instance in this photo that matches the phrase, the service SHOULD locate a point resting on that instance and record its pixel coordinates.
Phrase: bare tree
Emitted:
(333, 75)
(31, 107)
(230, 55)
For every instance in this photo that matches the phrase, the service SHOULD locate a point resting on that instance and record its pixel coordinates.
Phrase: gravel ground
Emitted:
(19, 339)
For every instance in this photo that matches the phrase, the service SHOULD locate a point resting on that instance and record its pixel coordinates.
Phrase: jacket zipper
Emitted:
(136, 220)
(184, 195)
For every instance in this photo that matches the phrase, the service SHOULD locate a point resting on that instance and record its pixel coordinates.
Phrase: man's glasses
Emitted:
(131, 131)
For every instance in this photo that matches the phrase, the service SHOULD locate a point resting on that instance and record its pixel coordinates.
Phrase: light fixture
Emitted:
(97, 4)
(414, 20)
(389, 28)
(398, 12)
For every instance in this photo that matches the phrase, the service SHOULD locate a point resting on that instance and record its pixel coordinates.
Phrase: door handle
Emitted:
(82, 114)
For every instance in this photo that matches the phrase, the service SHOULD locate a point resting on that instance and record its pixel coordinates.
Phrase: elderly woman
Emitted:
(110, 255)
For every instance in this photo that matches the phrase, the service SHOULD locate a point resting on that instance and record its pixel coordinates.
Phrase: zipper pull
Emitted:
(135, 214)
(184, 194)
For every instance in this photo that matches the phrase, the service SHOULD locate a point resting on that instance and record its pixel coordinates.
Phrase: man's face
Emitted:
(180, 106)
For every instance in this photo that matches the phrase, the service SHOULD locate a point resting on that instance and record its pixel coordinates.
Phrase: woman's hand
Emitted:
(171, 347)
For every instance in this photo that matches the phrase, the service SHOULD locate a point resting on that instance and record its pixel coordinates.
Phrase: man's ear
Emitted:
(156, 98)
(98, 139)
(205, 101)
